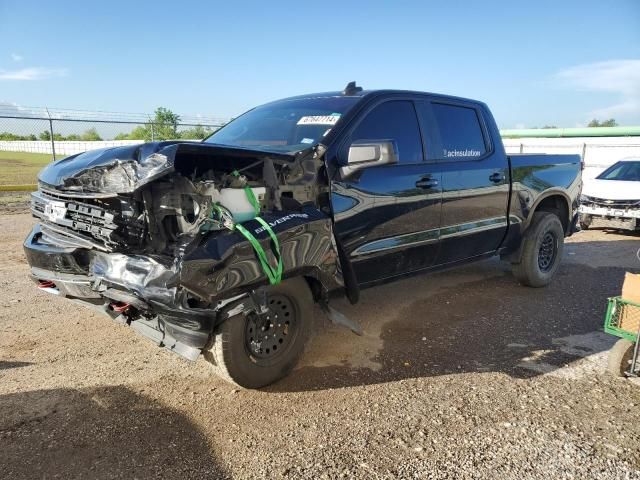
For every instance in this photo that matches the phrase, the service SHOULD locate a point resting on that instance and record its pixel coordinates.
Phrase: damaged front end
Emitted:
(129, 231)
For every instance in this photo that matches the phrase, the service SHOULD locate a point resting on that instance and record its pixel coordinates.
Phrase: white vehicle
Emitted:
(612, 199)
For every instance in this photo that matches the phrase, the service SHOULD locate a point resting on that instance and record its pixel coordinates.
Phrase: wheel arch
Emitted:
(317, 288)
(554, 201)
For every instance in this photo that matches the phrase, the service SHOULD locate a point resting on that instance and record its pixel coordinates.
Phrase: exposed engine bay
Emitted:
(143, 232)
(147, 203)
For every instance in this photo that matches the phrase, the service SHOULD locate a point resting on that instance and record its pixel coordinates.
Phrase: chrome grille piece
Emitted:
(617, 204)
(80, 220)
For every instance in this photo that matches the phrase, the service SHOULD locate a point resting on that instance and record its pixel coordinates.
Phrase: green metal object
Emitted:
(622, 319)
(571, 132)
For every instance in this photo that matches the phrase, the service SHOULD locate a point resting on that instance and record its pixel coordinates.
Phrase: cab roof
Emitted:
(377, 93)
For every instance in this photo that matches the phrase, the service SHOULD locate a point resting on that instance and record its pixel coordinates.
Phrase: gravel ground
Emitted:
(460, 374)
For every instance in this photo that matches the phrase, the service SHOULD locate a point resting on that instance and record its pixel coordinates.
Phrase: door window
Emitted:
(461, 136)
(395, 120)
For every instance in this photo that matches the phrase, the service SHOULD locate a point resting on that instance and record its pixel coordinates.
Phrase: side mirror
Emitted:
(365, 153)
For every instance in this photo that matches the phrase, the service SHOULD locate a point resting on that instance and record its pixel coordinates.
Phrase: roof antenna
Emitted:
(351, 89)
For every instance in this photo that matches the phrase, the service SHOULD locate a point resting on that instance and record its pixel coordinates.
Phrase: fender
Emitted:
(514, 256)
(554, 191)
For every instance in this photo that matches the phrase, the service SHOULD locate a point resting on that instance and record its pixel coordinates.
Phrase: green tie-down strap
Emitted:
(250, 195)
(252, 199)
(273, 274)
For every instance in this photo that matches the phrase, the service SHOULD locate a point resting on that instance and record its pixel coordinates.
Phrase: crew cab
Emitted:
(612, 199)
(221, 248)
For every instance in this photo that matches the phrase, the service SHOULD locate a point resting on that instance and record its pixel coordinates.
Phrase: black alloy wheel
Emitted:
(547, 252)
(271, 334)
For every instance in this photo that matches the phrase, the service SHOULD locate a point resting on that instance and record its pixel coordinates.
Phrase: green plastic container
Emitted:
(622, 319)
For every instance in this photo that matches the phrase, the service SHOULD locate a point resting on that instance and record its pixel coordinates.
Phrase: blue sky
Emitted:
(534, 63)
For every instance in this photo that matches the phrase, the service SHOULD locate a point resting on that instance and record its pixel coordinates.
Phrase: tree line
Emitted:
(164, 126)
(89, 135)
(593, 123)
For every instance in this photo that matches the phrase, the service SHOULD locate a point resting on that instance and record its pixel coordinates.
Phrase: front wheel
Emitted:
(254, 350)
(542, 248)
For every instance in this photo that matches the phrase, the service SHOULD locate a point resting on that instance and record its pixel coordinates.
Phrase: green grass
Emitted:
(21, 168)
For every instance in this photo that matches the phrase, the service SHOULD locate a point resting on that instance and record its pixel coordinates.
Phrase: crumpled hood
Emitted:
(612, 189)
(57, 174)
(125, 169)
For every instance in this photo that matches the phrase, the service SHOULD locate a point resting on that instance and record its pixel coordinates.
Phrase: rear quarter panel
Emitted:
(535, 177)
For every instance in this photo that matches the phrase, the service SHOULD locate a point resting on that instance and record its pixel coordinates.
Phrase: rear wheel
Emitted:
(254, 350)
(542, 248)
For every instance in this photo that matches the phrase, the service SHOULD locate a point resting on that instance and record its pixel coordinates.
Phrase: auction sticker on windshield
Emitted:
(319, 120)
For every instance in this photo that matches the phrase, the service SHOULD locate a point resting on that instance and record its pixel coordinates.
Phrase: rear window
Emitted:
(460, 132)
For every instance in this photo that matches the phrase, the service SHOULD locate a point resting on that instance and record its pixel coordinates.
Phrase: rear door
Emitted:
(475, 185)
(387, 217)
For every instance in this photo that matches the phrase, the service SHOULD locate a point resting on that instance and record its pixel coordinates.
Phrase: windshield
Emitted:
(284, 126)
(626, 171)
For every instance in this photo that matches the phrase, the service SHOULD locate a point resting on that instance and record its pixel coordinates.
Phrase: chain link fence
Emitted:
(59, 133)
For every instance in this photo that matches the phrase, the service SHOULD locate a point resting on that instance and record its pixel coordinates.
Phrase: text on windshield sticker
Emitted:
(319, 120)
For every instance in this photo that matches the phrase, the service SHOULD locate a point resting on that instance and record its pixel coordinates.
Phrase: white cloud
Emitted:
(11, 108)
(32, 73)
(621, 77)
(16, 57)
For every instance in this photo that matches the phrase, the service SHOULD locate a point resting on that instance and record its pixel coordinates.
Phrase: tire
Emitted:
(542, 248)
(620, 357)
(238, 358)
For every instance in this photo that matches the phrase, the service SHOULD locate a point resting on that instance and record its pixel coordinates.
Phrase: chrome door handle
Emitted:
(427, 182)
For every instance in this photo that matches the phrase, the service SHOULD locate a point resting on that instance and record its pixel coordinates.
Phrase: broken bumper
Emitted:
(66, 272)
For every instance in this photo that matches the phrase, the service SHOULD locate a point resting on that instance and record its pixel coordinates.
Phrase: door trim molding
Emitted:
(429, 236)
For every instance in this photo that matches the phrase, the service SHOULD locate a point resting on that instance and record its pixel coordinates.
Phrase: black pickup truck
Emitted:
(221, 247)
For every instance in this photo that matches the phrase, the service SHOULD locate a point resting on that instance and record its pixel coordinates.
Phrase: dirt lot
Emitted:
(461, 374)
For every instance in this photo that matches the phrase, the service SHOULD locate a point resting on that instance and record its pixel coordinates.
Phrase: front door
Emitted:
(387, 217)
